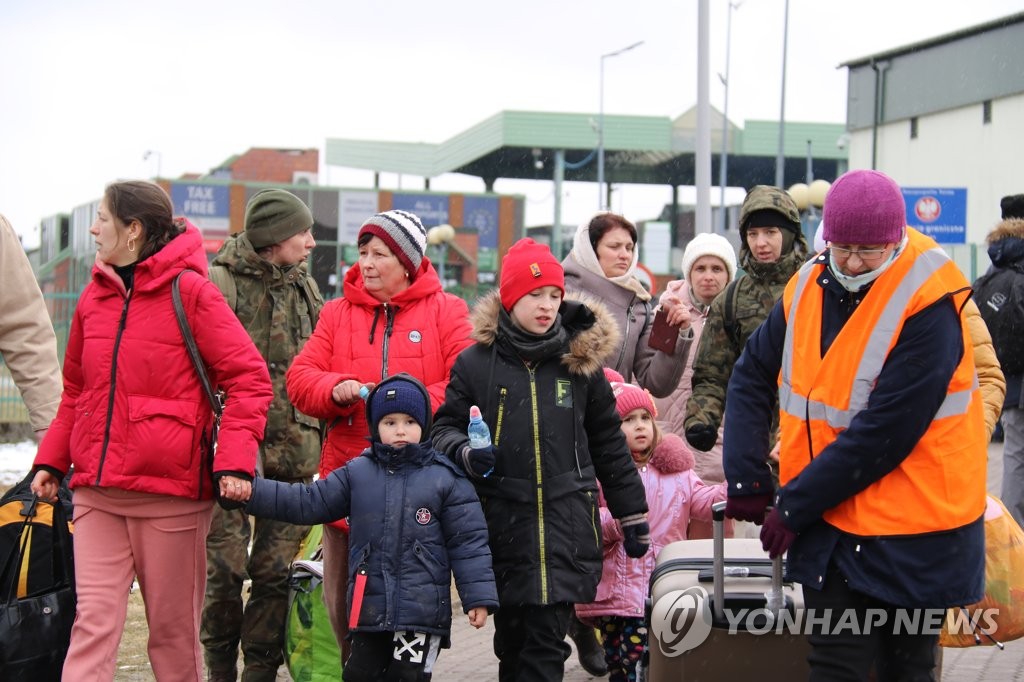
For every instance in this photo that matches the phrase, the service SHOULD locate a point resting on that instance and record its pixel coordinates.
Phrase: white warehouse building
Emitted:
(946, 113)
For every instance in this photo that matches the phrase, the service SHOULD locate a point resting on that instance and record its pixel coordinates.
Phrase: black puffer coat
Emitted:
(557, 433)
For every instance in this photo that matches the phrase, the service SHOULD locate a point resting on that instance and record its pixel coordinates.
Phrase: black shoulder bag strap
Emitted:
(197, 362)
(729, 312)
(193, 350)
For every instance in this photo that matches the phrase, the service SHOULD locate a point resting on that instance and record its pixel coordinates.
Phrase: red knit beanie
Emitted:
(528, 266)
(629, 397)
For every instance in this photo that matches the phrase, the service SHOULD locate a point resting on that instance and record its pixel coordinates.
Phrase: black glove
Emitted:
(479, 463)
(776, 537)
(636, 536)
(748, 507)
(702, 436)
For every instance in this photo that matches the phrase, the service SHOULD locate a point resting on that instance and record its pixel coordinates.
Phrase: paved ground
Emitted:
(471, 656)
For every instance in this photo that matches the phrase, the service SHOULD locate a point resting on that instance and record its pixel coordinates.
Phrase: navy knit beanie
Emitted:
(397, 394)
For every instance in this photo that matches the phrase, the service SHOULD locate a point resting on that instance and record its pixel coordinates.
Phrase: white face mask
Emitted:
(854, 283)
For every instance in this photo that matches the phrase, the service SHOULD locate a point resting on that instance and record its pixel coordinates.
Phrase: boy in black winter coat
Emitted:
(414, 520)
(536, 373)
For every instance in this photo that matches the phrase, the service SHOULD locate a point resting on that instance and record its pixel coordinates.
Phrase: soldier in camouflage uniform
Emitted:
(262, 273)
(772, 249)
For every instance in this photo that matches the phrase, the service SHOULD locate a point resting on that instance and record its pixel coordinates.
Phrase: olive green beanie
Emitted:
(273, 215)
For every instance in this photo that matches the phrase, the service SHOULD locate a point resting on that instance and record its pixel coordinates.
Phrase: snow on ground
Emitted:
(15, 461)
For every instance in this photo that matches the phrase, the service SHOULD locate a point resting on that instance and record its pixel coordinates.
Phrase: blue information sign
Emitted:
(208, 206)
(482, 213)
(939, 212)
(431, 209)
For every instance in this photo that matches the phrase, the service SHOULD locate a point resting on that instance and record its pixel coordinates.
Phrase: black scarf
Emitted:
(127, 274)
(532, 347)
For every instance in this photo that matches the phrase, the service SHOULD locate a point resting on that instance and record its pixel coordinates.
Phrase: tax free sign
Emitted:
(939, 212)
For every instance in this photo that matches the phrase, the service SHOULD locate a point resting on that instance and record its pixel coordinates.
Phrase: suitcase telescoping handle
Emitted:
(774, 599)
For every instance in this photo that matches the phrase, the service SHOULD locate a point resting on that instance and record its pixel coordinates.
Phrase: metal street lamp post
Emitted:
(441, 236)
(780, 159)
(600, 127)
(723, 176)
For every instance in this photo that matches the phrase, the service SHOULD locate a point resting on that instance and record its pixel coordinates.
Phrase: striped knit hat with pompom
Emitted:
(403, 233)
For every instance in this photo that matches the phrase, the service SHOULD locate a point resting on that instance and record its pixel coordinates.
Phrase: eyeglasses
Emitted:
(867, 256)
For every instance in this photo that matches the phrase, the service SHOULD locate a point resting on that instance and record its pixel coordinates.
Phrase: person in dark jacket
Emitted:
(535, 371)
(1000, 296)
(414, 521)
(883, 454)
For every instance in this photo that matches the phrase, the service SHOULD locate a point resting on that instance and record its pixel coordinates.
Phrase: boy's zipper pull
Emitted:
(357, 597)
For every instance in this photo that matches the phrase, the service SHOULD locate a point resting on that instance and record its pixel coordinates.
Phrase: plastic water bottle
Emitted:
(479, 434)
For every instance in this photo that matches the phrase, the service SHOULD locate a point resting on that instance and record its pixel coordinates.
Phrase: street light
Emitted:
(441, 236)
(780, 158)
(600, 127)
(724, 162)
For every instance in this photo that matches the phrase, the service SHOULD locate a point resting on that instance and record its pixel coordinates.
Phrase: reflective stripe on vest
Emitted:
(941, 484)
(883, 337)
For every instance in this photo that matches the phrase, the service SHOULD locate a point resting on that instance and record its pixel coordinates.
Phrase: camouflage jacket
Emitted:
(278, 306)
(726, 332)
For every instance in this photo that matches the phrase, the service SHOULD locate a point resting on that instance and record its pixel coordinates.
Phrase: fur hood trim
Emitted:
(589, 349)
(671, 456)
(1010, 227)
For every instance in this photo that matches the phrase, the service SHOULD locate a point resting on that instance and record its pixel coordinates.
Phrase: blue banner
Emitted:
(431, 209)
(482, 213)
(207, 206)
(939, 212)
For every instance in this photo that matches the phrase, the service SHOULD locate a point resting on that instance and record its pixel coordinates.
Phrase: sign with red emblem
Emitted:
(939, 212)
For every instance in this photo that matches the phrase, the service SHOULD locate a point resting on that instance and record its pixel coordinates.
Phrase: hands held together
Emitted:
(233, 492)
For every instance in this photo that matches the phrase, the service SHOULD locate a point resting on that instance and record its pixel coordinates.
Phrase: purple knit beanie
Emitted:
(864, 207)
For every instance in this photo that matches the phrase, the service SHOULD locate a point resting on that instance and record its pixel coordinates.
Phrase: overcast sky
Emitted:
(88, 87)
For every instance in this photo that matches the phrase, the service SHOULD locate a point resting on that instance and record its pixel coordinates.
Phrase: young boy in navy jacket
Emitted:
(415, 519)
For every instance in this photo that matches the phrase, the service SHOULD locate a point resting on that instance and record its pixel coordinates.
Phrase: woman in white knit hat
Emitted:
(709, 263)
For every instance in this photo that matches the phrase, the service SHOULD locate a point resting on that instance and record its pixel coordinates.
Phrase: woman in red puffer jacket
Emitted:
(394, 317)
(134, 422)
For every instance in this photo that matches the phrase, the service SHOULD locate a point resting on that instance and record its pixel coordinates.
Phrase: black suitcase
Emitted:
(755, 632)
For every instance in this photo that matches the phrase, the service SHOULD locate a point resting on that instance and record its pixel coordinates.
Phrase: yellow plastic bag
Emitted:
(999, 616)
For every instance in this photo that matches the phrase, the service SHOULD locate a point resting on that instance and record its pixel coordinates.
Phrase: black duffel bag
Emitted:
(37, 586)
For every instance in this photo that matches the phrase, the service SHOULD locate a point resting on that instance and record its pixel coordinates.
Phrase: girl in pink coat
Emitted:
(674, 494)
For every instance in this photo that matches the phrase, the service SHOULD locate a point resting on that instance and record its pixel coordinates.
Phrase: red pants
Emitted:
(161, 539)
